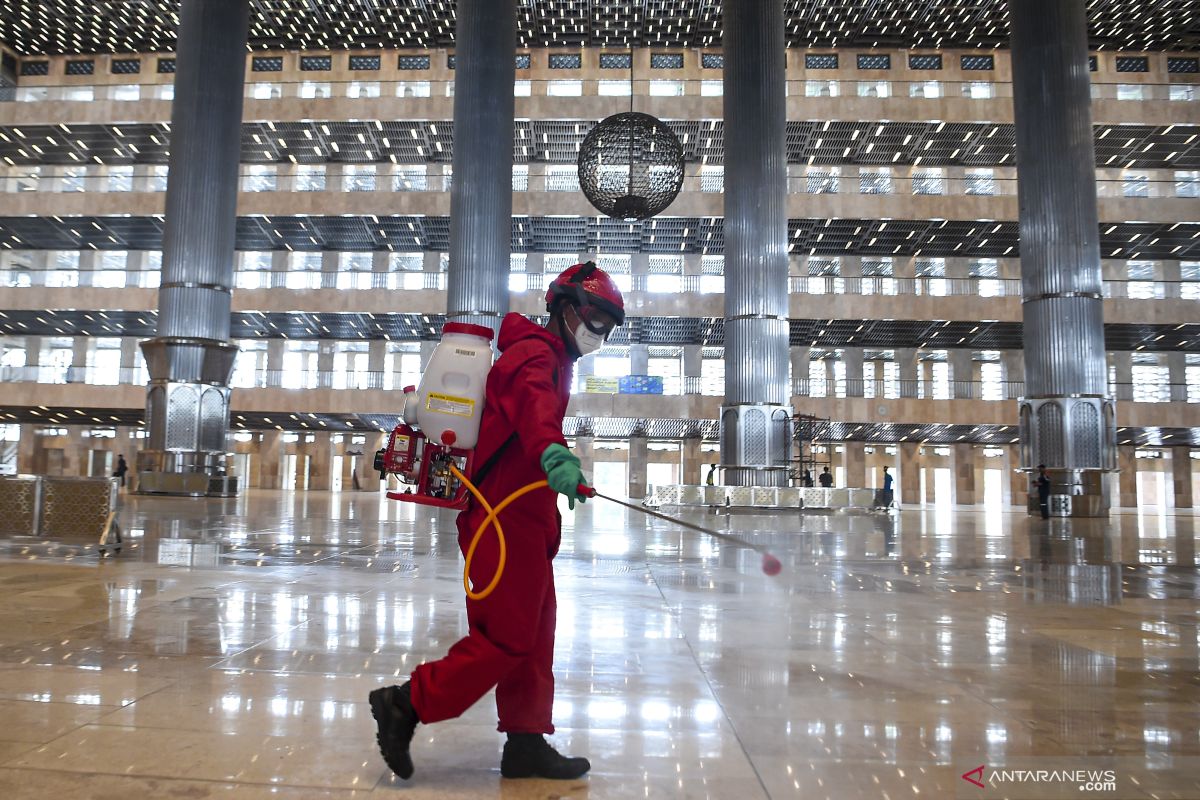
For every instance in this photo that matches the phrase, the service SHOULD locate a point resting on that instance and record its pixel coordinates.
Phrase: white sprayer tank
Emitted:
(449, 401)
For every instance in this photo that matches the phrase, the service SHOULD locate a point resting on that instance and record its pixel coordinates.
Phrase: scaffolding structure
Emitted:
(812, 447)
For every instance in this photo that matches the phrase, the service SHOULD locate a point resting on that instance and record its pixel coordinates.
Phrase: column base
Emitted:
(184, 474)
(1075, 493)
(756, 442)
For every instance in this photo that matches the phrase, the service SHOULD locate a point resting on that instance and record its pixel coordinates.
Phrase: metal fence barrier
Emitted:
(766, 497)
(61, 508)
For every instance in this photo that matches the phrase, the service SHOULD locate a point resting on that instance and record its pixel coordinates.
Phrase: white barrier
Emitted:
(770, 497)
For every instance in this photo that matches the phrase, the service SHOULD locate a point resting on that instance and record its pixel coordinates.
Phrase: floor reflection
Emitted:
(894, 652)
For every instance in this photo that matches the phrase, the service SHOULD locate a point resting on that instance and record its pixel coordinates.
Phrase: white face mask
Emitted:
(586, 341)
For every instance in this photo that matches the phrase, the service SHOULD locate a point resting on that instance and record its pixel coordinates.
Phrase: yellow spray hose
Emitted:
(491, 518)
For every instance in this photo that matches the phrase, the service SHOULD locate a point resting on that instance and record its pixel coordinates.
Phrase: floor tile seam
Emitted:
(269, 639)
(22, 753)
(170, 686)
(194, 779)
(63, 734)
(708, 682)
(50, 703)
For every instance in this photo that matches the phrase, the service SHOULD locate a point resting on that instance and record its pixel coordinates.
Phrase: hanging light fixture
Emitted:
(631, 164)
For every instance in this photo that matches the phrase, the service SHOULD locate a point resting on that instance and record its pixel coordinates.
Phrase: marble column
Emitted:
(1177, 375)
(1122, 362)
(854, 462)
(376, 363)
(965, 493)
(331, 262)
(1014, 371)
(1181, 476)
(852, 359)
(962, 374)
(129, 355)
(1018, 481)
(1127, 476)
(639, 267)
(270, 460)
(275, 352)
(639, 359)
(691, 461)
(638, 458)
(320, 470)
(693, 368)
(381, 267)
(89, 261)
(906, 362)
(28, 448)
(280, 262)
(79, 359)
(799, 357)
(368, 477)
(910, 473)
(33, 357)
(585, 451)
(325, 353)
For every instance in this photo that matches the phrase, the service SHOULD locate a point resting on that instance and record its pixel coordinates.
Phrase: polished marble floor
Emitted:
(228, 651)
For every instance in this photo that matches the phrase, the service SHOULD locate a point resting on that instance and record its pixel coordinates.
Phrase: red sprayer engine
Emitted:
(441, 420)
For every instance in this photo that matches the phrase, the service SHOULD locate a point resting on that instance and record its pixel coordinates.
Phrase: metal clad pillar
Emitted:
(1067, 417)
(481, 195)
(191, 358)
(755, 430)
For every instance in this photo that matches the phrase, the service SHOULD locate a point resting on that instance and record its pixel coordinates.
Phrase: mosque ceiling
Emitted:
(135, 26)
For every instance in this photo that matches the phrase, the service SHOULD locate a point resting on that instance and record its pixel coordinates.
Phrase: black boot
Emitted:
(397, 719)
(529, 755)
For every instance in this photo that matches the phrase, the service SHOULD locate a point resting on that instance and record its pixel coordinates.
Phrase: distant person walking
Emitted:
(806, 480)
(121, 469)
(712, 469)
(826, 479)
(1043, 491)
(883, 497)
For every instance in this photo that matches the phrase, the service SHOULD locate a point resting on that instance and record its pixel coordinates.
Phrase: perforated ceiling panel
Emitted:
(557, 142)
(667, 235)
(74, 26)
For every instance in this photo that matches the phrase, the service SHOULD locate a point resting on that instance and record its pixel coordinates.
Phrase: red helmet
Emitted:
(587, 285)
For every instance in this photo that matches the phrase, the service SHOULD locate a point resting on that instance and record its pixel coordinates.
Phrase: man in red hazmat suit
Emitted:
(510, 645)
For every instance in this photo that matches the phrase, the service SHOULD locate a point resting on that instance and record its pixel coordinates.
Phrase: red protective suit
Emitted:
(511, 641)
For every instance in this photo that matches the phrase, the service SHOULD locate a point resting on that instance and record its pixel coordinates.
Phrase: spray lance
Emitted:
(449, 401)
(770, 564)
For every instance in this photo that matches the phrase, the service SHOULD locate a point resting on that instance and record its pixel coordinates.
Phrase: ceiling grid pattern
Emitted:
(122, 26)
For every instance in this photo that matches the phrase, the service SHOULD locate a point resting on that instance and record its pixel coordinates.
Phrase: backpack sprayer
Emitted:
(449, 404)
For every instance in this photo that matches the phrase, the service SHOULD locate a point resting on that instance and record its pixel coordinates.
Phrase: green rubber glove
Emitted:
(563, 473)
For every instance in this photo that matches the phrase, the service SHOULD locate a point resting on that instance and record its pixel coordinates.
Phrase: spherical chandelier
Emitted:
(631, 166)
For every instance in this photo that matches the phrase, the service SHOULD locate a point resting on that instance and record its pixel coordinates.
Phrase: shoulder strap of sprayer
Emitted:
(486, 467)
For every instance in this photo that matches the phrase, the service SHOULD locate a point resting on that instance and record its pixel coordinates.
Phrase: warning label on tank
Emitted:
(449, 404)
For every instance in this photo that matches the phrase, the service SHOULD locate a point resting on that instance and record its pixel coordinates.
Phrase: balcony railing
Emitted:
(518, 282)
(154, 179)
(928, 389)
(303, 379)
(569, 86)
